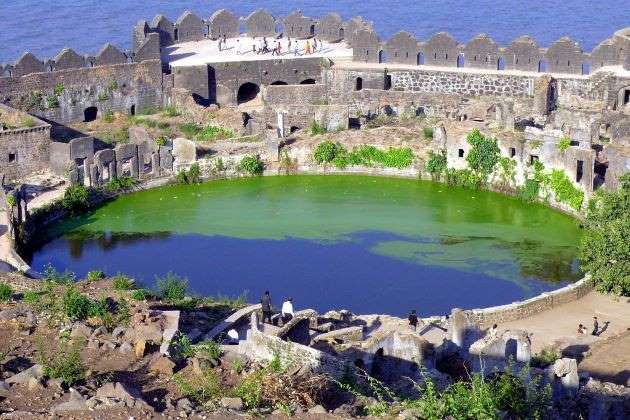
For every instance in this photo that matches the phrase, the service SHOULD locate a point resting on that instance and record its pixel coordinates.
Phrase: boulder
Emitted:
(184, 152)
(4, 389)
(35, 371)
(318, 409)
(99, 331)
(126, 348)
(77, 402)
(171, 326)
(232, 403)
(564, 366)
(118, 332)
(118, 391)
(80, 330)
(139, 348)
(162, 364)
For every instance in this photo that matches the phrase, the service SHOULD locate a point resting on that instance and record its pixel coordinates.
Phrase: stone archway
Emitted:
(90, 114)
(247, 92)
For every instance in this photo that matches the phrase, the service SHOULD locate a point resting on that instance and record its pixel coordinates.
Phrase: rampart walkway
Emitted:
(207, 51)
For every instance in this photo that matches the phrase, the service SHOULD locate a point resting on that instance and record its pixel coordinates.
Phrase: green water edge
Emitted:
(428, 223)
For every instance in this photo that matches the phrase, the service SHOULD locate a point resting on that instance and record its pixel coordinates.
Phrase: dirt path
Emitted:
(606, 356)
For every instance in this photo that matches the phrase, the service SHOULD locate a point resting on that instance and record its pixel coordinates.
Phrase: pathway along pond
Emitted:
(368, 244)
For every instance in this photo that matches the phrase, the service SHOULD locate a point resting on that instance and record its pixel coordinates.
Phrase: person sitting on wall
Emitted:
(493, 332)
(413, 320)
(581, 329)
(287, 310)
(265, 302)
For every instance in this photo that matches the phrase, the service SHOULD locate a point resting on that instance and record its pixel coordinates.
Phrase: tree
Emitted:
(605, 248)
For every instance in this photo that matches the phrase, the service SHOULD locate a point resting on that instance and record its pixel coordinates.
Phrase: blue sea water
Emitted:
(45, 27)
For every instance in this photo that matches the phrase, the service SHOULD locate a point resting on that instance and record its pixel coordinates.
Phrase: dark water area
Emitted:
(371, 245)
(45, 27)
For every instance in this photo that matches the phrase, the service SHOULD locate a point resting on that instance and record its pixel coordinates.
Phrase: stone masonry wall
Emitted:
(530, 307)
(468, 84)
(107, 88)
(295, 94)
(29, 149)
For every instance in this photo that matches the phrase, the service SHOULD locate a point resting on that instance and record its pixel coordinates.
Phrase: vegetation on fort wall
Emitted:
(564, 144)
(191, 176)
(437, 164)
(363, 155)
(605, 248)
(251, 165)
(483, 155)
(564, 191)
(76, 199)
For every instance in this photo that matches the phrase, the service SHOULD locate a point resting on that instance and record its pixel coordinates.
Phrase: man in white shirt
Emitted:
(287, 310)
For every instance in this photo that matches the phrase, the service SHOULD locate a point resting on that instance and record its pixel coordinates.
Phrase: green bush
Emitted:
(122, 282)
(317, 129)
(5, 292)
(52, 102)
(251, 165)
(120, 183)
(507, 171)
(192, 176)
(325, 152)
(464, 178)
(171, 111)
(436, 165)
(202, 389)
(564, 144)
(95, 275)
(605, 249)
(161, 141)
(172, 287)
(108, 117)
(529, 191)
(65, 363)
(565, 191)
(209, 349)
(189, 130)
(483, 155)
(59, 88)
(76, 198)
(76, 306)
(212, 132)
(427, 132)
(545, 358)
(52, 275)
(140, 294)
(366, 155)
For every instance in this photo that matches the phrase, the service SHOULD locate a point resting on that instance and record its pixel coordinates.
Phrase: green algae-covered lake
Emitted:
(368, 244)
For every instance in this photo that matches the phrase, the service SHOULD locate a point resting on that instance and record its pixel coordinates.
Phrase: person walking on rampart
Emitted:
(307, 48)
(289, 45)
(314, 45)
(265, 302)
(413, 320)
(297, 49)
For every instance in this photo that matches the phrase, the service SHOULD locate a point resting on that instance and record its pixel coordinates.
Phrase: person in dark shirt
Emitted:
(413, 320)
(595, 326)
(265, 301)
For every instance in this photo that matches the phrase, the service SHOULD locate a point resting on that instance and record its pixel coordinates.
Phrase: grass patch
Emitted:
(172, 288)
(6, 292)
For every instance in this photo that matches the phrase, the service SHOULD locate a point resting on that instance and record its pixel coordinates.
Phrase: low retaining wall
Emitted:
(526, 308)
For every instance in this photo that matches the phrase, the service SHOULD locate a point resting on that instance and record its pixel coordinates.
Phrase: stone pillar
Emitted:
(439, 137)
(544, 95)
(155, 164)
(457, 327)
(135, 172)
(273, 149)
(95, 178)
(112, 170)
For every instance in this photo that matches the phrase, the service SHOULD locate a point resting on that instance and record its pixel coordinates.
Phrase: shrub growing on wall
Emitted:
(436, 165)
(564, 190)
(251, 165)
(605, 249)
(325, 152)
(76, 198)
(484, 153)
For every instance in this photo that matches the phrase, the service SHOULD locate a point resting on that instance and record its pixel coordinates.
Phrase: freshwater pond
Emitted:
(367, 244)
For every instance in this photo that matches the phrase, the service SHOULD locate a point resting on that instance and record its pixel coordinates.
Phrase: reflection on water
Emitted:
(308, 232)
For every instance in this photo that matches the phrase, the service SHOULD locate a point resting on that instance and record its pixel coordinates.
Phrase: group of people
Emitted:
(596, 331)
(286, 313)
(275, 47)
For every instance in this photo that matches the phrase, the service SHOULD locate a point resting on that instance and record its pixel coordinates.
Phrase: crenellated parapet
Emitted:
(565, 56)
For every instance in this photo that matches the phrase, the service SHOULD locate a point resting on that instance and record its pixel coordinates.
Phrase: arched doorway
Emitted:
(542, 66)
(358, 84)
(132, 110)
(420, 59)
(382, 57)
(460, 61)
(247, 92)
(90, 114)
(312, 30)
(279, 83)
(501, 63)
(308, 82)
